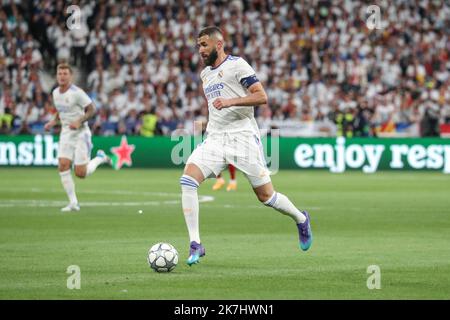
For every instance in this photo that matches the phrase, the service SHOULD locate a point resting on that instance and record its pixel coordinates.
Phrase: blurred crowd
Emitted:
(325, 71)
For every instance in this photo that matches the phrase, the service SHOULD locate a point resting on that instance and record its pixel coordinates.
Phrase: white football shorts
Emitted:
(75, 146)
(242, 150)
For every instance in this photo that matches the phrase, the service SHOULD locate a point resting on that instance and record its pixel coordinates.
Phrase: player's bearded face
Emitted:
(205, 44)
(210, 58)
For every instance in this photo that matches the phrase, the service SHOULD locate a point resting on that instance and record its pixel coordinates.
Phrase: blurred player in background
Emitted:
(232, 90)
(74, 109)
(220, 181)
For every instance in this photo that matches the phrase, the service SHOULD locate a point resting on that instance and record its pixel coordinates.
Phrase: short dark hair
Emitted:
(64, 66)
(210, 31)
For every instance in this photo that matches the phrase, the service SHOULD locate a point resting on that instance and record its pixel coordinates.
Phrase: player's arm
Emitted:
(256, 97)
(88, 113)
(52, 122)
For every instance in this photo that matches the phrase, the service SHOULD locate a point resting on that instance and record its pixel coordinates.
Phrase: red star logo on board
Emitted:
(122, 154)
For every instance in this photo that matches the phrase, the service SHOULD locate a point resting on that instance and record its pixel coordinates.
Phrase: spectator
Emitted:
(149, 121)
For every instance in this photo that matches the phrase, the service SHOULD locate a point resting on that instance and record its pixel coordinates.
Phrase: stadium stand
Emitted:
(325, 72)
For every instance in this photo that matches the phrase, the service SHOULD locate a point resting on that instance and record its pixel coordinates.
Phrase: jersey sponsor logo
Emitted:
(214, 87)
(62, 107)
(213, 90)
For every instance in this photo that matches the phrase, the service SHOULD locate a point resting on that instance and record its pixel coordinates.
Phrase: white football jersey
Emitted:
(71, 105)
(228, 80)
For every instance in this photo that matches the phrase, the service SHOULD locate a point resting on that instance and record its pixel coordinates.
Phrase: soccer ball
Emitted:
(162, 257)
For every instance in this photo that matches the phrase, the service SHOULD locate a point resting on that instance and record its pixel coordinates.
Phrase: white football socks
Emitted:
(69, 186)
(93, 164)
(189, 201)
(281, 203)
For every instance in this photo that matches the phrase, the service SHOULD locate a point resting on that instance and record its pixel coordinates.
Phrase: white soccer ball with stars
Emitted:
(162, 257)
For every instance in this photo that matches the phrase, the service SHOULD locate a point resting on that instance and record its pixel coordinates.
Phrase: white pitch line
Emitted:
(114, 192)
(14, 203)
(50, 203)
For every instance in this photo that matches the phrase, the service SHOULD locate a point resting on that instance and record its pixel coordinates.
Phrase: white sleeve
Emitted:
(243, 69)
(245, 74)
(83, 98)
(54, 96)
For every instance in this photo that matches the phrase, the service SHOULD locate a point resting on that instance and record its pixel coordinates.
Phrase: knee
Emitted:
(263, 196)
(63, 167)
(193, 172)
(80, 173)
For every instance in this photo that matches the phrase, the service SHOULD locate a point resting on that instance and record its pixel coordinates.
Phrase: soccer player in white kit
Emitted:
(232, 90)
(74, 108)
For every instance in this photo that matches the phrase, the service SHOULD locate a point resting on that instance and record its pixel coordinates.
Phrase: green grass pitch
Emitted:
(399, 221)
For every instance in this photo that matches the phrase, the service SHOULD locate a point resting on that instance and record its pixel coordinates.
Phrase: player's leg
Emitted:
(190, 181)
(206, 161)
(232, 185)
(247, 156)
(80, 170)
(267, 195)
(99, 159)
(85, 170)
(83, 166)
(220, 182)
(64, 165)
(66, 149)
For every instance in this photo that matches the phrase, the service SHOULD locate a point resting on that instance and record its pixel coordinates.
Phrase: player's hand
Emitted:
(221, 103)
(49, 125)
(75, 125)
